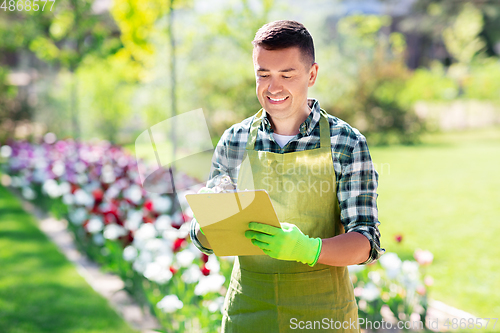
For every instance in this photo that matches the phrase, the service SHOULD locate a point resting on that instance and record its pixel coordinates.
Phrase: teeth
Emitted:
(277, 100)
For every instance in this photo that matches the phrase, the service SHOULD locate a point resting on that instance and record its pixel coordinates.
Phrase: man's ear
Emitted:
(313, 74)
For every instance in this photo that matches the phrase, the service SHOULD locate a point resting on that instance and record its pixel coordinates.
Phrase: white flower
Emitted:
(6, 151)
(98, 239)
(216, 305)
(157, 273)
(139, 266)
(133, 193)
(161, 204)
(134, 220)
(210, 283)
(39, 175)
(112, 192)
(68, 199)
(165, 259)
(64, 188)
(82, 198)
(80, 167)
(374, 276)
(49, 138)
(184, 230)
(51, 187)
(170, 304)
(82, 178)
(370, 292)
(163, 222)
(94, 225)
(28, 193)
(77, 216)
(213, 264)
(130, 253)
(177, 218)
(114, 231)
(155, 245)
(143, 235)
(411, 273)
(16, 181)
(58, 168)
(146, 232)
(185, 258)
(192, 274)
(144, 258)
(392, 264)
(171, 234)
(108, 174)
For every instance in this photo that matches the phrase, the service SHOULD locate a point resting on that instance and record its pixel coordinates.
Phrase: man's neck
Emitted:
(288, 126)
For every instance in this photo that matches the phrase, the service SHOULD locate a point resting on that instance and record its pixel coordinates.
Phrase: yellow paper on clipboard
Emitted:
(224, 218)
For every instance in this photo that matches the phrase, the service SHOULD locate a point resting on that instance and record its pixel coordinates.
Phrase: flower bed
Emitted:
(143, 237)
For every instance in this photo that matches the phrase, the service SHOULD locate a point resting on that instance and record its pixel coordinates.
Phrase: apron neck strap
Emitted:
(324, 130)
(323, 127)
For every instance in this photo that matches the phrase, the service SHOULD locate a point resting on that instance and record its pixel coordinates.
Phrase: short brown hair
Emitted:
(283, 34)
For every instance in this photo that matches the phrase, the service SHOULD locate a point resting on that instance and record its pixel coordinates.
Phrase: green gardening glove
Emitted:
(287, 243)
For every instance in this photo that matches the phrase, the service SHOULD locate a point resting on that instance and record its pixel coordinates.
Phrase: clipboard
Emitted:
(224, 218)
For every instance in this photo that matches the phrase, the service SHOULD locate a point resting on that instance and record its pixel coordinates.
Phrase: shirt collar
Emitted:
(307, 126)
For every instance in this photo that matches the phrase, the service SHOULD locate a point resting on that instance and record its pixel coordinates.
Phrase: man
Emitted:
(318, 172)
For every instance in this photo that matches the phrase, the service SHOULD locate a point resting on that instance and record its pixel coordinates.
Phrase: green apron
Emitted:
(270, 295)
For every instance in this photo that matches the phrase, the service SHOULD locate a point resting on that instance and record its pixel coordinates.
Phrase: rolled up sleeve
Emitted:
(357, 195)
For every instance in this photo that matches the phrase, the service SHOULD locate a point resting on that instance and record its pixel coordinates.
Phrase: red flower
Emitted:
(148, 219)
(204, 257)
(98, 194)
(109, 218)
(173, 269)
(129, 237)
(179, 242)
(148, 205)
(74, 187)
(398, 238)
(205, 271)
(186, 218)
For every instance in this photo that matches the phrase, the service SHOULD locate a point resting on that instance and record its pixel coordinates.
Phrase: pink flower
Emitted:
(423, 257)
(428, 280)
(398, 238)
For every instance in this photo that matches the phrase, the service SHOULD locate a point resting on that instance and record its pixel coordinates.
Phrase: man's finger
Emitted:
(265, 238)
(264, 228)
(261, 245)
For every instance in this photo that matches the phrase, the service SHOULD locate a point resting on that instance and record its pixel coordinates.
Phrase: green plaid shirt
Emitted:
(356, 176)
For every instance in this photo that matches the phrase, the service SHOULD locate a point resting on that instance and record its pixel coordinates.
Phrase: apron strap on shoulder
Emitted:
(324, 127)
(252, 135)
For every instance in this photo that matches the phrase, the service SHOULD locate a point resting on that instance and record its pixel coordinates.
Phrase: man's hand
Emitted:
(287, 243)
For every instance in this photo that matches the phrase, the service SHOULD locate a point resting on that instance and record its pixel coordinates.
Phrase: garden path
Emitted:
(108, 285)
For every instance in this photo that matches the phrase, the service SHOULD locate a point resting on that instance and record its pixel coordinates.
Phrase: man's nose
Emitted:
(274, 87)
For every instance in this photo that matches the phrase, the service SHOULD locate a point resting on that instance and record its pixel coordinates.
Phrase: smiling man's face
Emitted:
(283, 78)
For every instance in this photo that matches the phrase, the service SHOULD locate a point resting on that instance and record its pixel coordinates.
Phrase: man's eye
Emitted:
(263, 76)
(286, 77)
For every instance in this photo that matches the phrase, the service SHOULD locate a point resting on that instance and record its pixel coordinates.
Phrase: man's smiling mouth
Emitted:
(277, 99)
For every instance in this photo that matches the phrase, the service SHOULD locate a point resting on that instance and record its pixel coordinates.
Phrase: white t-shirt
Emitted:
(282, 140)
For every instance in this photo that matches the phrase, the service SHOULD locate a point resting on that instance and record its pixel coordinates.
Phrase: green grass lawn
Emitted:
(444, 196)
(40, 291)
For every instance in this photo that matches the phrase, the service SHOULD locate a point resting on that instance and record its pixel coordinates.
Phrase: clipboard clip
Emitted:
(224, 185)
